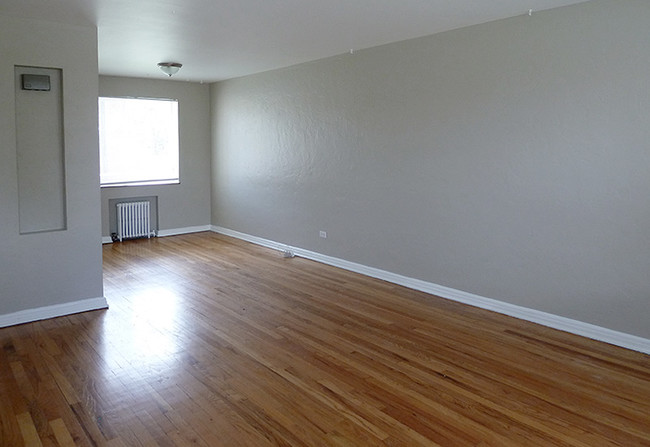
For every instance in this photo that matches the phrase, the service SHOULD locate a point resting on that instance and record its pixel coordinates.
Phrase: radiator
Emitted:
(133, 220)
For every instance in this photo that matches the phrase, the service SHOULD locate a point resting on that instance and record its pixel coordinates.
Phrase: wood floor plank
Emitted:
(63, 436)
(28, 430)
(211, 341)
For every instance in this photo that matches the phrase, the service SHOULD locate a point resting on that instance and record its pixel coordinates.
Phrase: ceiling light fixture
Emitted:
(169, 68)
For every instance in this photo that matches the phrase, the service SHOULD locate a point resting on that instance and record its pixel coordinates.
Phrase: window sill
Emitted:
(144, 183)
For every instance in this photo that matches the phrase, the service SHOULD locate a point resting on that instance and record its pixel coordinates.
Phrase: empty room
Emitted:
(301, 223)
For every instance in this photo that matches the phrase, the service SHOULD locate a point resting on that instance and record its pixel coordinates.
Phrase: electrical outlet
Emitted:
(323, 234)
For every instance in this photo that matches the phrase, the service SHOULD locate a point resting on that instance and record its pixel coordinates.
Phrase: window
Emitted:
(138, 141)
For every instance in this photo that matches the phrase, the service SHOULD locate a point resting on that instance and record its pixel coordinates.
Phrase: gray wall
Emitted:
(188, 203)
(510, 160)
(54, 267)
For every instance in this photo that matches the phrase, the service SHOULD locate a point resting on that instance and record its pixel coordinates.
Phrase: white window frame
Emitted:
(128, 152)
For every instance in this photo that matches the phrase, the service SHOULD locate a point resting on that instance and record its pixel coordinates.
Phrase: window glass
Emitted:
(138, 141)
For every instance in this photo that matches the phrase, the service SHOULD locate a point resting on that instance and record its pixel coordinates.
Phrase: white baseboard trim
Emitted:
(57, 310)
(622, 339)
(185, 230)
(170, 232)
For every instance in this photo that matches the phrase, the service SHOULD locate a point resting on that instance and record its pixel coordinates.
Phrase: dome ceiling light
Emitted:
(169, 68)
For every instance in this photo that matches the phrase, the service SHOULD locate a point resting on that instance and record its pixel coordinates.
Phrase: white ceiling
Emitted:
(221, 39)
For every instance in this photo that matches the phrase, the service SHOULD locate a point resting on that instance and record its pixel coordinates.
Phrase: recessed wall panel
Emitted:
(40, 151)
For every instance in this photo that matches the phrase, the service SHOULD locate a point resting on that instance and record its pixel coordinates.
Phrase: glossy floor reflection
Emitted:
(152, 331)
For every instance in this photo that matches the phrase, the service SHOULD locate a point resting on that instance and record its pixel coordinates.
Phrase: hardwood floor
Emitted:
(211, 341)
